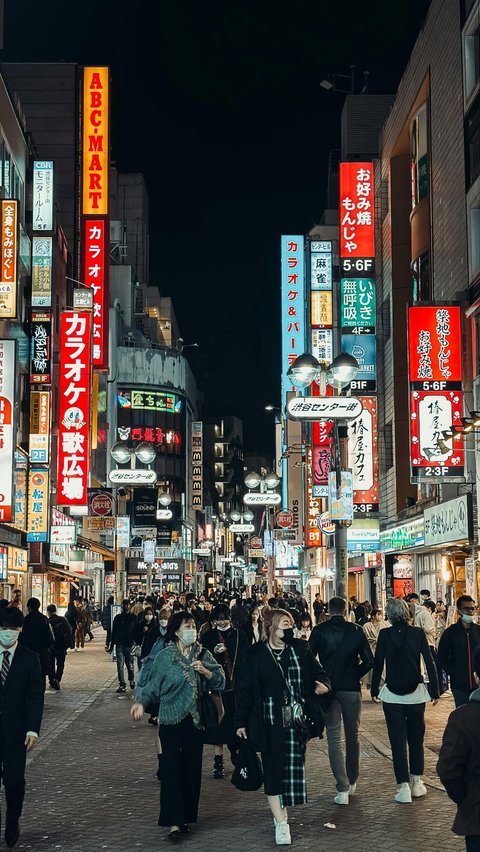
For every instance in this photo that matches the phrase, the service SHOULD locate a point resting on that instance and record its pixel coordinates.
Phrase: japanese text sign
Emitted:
(42, 195)
(322, 454)
(20, 479)
(39, 437)
(435, 346)
(74, 407)
(321, 271)
(197, 464)
(8, 282)
(322, 345)
(95, 163)
(357, 299)
(314, 536)
(38, 496)
(293, 305)
(41, 348)
(42, 272)
(432, 413)
(7, 443)
(321, 309)
(95, 275)
(363, 454)
(449, 522)
(357, 220)
(324, 408)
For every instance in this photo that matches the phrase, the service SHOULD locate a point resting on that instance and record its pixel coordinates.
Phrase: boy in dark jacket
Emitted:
(459, 764)
(63, 637)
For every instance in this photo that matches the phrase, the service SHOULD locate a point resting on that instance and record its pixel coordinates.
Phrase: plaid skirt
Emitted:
(284, 765)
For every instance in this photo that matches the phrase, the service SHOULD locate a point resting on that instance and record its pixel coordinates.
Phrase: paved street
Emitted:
(91, 784)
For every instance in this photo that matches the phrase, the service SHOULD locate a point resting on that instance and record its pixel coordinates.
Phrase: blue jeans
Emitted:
(461, 696)
(124, 658)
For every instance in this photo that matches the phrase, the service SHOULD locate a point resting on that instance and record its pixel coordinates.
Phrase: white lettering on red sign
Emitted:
(95, 276)
(74, 407)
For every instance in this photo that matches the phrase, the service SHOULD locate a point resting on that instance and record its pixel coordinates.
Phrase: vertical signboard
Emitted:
(74, 407)
(41, 348)
(197, 464)
(42, 266)
(357, 300)
(39, 437)
(436, 397)
(323, 447)
(294, 480)
(363, 456)
(340, 500)
(95, 275)
(293, 305)
(20, 490)
(42, 188)
(321, 265)
(313, 504)
(95, 162)
(7, 443)
(8, 282)
(357, 219)
(38, 495)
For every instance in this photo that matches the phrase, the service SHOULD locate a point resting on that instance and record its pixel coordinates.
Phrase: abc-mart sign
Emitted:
(252, 499)
(323, 408)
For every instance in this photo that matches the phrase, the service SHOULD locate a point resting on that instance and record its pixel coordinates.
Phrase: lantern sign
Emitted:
(363, 456)
(293, 305)
(74, 407)
(8, 259)
(357, 299)
(435, 347)
(357, 223)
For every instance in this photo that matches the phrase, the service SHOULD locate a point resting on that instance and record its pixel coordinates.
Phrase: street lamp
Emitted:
(267, 482)
(121, 453)
(164, 499)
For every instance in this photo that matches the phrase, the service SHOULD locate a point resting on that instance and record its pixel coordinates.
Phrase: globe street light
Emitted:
(164, 499)
(121, 453)
(303, 371)
(145, 453)
(342, 370)
(272, 480)
(253, 480)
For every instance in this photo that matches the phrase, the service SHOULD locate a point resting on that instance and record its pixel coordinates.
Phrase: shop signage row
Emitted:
(197, 464)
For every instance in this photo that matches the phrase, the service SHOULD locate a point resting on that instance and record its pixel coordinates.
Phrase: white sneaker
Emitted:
(282, 834)
(352, 788)
(341, 799)
(419, 789)
(404, 795)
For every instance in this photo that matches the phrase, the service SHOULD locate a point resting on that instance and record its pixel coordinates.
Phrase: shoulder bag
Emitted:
(212, 710)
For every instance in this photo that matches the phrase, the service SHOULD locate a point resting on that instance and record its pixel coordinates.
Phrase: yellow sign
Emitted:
(95, 141)
(322, 309)
(8, 260)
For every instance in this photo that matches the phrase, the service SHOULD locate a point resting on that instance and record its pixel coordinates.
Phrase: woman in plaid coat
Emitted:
(278, 709)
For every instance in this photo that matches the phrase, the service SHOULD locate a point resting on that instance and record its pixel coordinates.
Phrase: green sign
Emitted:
(357, 305)
(403, 536)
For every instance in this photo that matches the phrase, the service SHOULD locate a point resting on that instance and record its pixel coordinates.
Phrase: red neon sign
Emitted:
(434, 344)
(357, 211)
(74, 407)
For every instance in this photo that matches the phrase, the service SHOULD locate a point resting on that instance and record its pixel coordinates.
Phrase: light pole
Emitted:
(343, 369)
(267, 485)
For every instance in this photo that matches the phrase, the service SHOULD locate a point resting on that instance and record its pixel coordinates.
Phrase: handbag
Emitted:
(248, 774)
(211, 707)
(135, 651)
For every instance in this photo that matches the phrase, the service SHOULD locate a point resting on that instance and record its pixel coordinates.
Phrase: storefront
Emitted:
(448, 535)
(399, 544)
(168, 575)
(14, 572)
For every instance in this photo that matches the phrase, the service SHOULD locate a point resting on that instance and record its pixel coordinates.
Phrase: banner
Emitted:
(96, 244)
(74, 407)
(357, 213)
(363, 456)
(7, 442)
(42, 189)
(292, 305)
(432, 413)
(8, 261)
(435, 347)
(42, 272)
(41, 348)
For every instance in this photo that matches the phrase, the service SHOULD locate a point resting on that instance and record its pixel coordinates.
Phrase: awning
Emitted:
(95, 546)
(54, 569)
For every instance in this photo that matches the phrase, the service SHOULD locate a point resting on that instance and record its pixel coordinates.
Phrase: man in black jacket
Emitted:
(123, 637)
(63, 639)
(21, 710)
(345, 654)
(36, 634)
(456, 649)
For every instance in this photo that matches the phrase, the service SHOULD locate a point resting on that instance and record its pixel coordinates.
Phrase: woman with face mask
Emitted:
(174, 686)
(278, 690)
(228, 645)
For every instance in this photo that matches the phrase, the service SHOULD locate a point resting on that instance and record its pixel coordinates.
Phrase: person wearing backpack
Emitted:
(62, 633)
(404, 695)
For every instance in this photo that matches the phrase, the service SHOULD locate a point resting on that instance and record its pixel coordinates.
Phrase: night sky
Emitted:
(218, 103)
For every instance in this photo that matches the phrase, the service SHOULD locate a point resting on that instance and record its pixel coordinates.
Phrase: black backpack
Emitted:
(61, 633)
(403, 673)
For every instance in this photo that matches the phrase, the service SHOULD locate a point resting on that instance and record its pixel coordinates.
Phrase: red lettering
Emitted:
(95, 164)
(96, 81)
(94, 196)
(95, 182)
(95, 143)
(93, 117)
(95, 99)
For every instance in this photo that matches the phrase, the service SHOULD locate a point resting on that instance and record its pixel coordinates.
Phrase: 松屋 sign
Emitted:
(8, 261)
(42, 187)
(292, 305)
(38, 496)
(95, 161)
(7, 443)
(74, 407)
(42, 248)
(39, 436)
(95, 248)
(41, 348)
(197, 464)
(363, 454)
(357, 222)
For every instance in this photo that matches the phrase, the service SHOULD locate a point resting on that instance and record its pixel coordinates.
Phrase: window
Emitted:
(388, 440)
(473, 217)
(472, 143)
(421, 278)
(419, 155)
(471, 55)
(386, 324)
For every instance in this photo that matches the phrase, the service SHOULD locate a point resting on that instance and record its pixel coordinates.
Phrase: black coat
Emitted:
(343, 651)
(236, 652)
(123, 629)
(148, 639)
(37, 636)
(107, 617)
(249, 711)
(459, 765)
(413, 639)
(455, 654)
(62, 632)
(21, 710)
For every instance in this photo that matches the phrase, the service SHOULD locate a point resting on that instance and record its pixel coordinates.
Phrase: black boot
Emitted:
(218, 769)
(159, 770)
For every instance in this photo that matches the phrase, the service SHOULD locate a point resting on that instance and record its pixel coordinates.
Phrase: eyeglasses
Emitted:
(469, 608)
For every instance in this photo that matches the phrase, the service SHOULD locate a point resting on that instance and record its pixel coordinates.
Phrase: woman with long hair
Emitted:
(276, 695)
(175, 685)
(253, 627)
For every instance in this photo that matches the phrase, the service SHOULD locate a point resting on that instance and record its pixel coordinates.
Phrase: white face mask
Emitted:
(223, 628)
(163, 622)
(188, 635)
(8, 637)
(468, 619)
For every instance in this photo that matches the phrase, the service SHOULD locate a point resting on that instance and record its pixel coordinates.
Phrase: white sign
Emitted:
(123, 531)
(133, 477)
(42, 195)
(201, 551)
(242, 528)
(323, 408)
(149, 550)
(164, 514)
(252, 499)
(448, 521)
(83, 298)
(146, 532)
(341, 499)
(325, 524)
(63, 535)
(7, 445)
(253, 554)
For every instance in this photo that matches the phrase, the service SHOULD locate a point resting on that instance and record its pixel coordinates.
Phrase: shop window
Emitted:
(472, 143)
(419, 155)
(473, 219)
(421, 278)
(471, 54)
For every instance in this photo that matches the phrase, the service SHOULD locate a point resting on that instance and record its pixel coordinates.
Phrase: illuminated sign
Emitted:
(42, 272)
(321, 267)
(74, 407)
(321, 309)
(322, 345)
(150, 435)
(39, 437)
(357, 305)
(41, 348)
(197, 464)
(364, 350)
(322, 454)
(38, 494)
(292, 304)
(100, 502)
(313, 504)
(432, 413)
(42, 187)
(63, 535)
(340, 500)
(148, 400)
(95, 275)
(435, 347)
(323, 408)
(95, 161)
(20, 479)
(8, 282)
(7, 443)
(363, 454)
(357, 213)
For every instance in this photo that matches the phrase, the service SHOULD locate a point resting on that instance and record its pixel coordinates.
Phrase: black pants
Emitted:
(13, 757)
(472, 843)
(182, 748)
(57, 665)
(406, 724)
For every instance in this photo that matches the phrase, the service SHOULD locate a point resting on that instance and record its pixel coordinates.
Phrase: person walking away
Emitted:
(239, 613)
(81, 625)
(123, 638)
(107, 621)
(174, 686)
(228, 646)
(404, 695)
(456, 648)
(423, 618)
(37, 636)
(279, 683)
(88, 619)
(318, 607)
(62, 642)
(305, 629)
(458, 764)
(146, 633)
(440, 619)
(72, 618)
(21, 708)
(372, 630)
(343, 650)
(16, 599)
